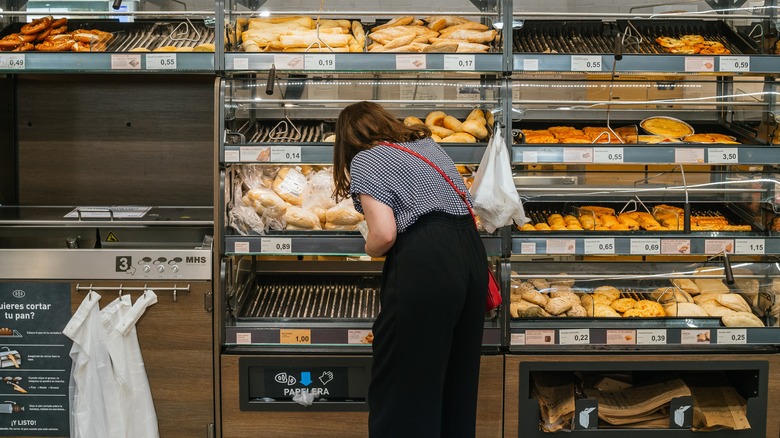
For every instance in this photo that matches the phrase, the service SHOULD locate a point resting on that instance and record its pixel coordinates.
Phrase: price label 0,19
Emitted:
(161, 61)
(12, 61)
(599, 246)
(651, 337)
(586, 63)
(300, 337)
(276, 245)
(290, 154)
(749, 246)
(645, 246)
(459, 62)
(732, 336)
(722, 155)
(608, 155)
(319, 62)
(574, 337)
(734, 63)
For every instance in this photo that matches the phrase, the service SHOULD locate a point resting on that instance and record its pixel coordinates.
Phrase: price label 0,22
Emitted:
(276, 245)
(574, 337)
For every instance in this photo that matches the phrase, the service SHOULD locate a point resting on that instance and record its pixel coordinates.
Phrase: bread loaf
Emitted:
(301, 218)
(342, 215)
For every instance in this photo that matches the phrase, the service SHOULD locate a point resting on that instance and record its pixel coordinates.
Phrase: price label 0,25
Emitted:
(276, 245)
(574, 337)
(732, 336)
(319, 62)
(599, 246)
(161, 61)
(459, 62)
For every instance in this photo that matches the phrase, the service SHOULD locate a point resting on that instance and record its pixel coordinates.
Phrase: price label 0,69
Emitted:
(734, 63)
(607, 155)
(732, 336)
(276, 245)
(302, 336)
(749, 246)
(161, 61)
(574, 337)
(289, 154)
(722, 155)
(586, 63)
(651, 337)
(319, 62)
(645, 246)
(459, 62)
(12, 61)
(599, 246)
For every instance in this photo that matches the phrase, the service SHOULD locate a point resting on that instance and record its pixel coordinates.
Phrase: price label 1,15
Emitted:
(161, 61)
(645, 246)
(319, 62)
(574, 337)
(459, 62)
(300, 337)
(599, 246)
(276, 245)
(732, 336)
(722, 156)
(290, 154)
(608, 155)
(651, 337)
(749, 246)
(12, 61)
(586, 63)
(734, 63)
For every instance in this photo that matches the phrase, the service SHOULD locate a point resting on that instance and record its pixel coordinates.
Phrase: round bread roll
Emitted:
(623, 304)
(208, 47)
(329, 139)
(441, 131)
(577, 311)
(165, 49)
(435, 118)
(452, 123)
(557, 306)
(533, 296)
(435, 138)
(411, 121)
(301, 218)
(602, 311)
(611, 292)
(139, 49)
(476, 113)
(540, 283)
(650, 307)
(459, 137)
(474, 128)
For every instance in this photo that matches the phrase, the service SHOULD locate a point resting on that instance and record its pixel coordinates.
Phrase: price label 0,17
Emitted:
(276, 245)
(749, 246)
(645, 246)
(12, 61)
(651, 337)
(459, 62)
(161, 61)
(599, 246)
(722, 156)
(302, 336)
(734, 63)
(586, 63)
(732, 336)
(608, 155)
(319, 62)
(290, 154)
(574, 337)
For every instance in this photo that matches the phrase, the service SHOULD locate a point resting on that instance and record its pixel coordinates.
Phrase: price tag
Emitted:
(561, 246)
(734, 63)
(410, 62)
(319, 62)
(530, 156)
(675, 246)
(517, 339)
(531, 64)
(12, 61)
(651, 337)
(695, 336)
(298, 337)
(574, 337)
(240, 63)
(586, 63)
(528, 248)
(361, 337)
(723, 155)
(621, 337)
(276, 245)
(284, 61)
(290, 154)
(232, 156)
(599, 246)
(732, 336)
(749, 246)
(243, 338)
(715, 246)
(578, 155)
(254, 153)
(684, 156)
(125, 62)
(161, 61)
(241, 247)
(645, 246)
(540, 337)
(608, 155)
(699, 63)
(459, 62)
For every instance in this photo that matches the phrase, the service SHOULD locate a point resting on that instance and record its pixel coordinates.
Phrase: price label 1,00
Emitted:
(276, 245)
(299, 337)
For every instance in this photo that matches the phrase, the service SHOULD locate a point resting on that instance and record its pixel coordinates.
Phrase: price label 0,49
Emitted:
(459, 62)
(749, 246)
(599, 246)
(161, 61)
(645, 246)
(12, 61)
(574, 337)
(276, 245)
(651, 337)
(586, 63)
(319, 62)
(302, 336)
(734, 63)
(732, 336)
(290, 154)
(608, 155)
(723, 155)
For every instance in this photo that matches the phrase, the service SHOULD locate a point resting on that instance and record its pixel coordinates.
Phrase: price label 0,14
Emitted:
(319, 62)
(574, 337)
(290, 154)
(586, 63)
(608, 155)
(645, 246)
(12, 61)
(459, 62)
(651, 337)
(749, 246)
(732, 336)
(599, 246)
(276, 245)
(161, 61)
(723, 155)
(300, 337)
(734, 63)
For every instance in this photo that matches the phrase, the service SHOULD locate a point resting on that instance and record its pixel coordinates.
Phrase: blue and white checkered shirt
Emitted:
(405, 183)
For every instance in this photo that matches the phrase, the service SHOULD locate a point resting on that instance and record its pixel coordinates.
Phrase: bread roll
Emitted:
(686, 285)
(534, 296)
(301, 218)
(610, 292)
(556, 306)
(435, 118)
(440, 131)
(397, 21)
(341, 215)
(452, 123)
(734, 302)
(459, 137)
(602, 311)
(623, 304)
(741, 319)
(713, 308)
(474, 128)
(271, 204)
(338, 227)
(577, 311)
(684, 309)
(411, 121)
(289, 184)
(476, 114)
(358, 33)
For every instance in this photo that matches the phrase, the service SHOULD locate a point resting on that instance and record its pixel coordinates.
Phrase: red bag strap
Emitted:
(460, 193)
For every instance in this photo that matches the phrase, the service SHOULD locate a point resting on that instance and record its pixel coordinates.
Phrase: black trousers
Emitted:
(428, 334)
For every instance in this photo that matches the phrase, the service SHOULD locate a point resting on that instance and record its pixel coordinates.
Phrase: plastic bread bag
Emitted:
(318, 195)
(242, 216)
(343, 214)
(290, 185)
(495, 196)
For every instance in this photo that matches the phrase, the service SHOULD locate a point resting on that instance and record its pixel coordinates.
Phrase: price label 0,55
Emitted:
(161, 61)
(276, 245)
(607, 155)
(574, 337)
(319, 62)
(586, 63)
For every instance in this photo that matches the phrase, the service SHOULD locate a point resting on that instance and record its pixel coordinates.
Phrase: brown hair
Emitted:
(361, 126)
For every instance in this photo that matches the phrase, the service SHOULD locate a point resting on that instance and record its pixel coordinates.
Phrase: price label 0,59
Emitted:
(645, 246)
(12, 61)
(734, 63)
(574, 337)
(608, 155)
(276, 245)
(290, 154)
(599, 246)
(319, 62)
(651, 337)
(732, 336)
(161, 61)
(586, 63)
(723, 155)
(459, 62)
(300, 337)
(749, 246)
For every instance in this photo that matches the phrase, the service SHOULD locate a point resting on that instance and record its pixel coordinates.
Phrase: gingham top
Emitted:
(405, 183)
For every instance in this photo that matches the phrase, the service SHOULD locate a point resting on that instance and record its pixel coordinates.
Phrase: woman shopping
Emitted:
(428, 334)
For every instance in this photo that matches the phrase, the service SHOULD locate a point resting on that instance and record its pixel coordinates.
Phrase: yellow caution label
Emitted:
(111, 237)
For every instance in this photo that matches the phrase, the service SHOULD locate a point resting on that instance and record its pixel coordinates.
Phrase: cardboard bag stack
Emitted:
(645, 407)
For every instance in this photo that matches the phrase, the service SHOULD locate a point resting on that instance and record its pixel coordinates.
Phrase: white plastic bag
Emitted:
(496, 201)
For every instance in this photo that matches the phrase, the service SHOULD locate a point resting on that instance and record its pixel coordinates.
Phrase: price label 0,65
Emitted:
(319, 62)
(608, 155)
(459, 62)
(574, 337)
(599, 246)
(161, 61)
(12, 61)
(290, 154)
(586, 63)
(645, 246)
(651, 337)
(276, 245)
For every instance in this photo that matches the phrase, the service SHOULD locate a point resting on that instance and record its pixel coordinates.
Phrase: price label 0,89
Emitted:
(276, 245)
(732, 336)
(574, 337)
(161, 61)
(12, 61)
(651, 337)
(459, 62)
(319, 62)
(645, 246)
(599, 246)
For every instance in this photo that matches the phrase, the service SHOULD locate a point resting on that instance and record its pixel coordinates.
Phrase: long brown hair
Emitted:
(361, 126)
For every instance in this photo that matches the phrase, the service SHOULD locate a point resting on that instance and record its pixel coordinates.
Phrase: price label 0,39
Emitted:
(161, 61)
(645, 246)
(298, 337)
(574, 337)
(586, 63)
(722, 156)
(599, 246)
(459, 62)
(732, 336)
(749, 246)
(651, 337)
(319, 62)
(734, 63)
(276, 245)
(12, 61)
(608, 155)
(290, 154)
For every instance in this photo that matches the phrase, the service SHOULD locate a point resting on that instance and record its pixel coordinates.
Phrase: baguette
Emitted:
(397, 21)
